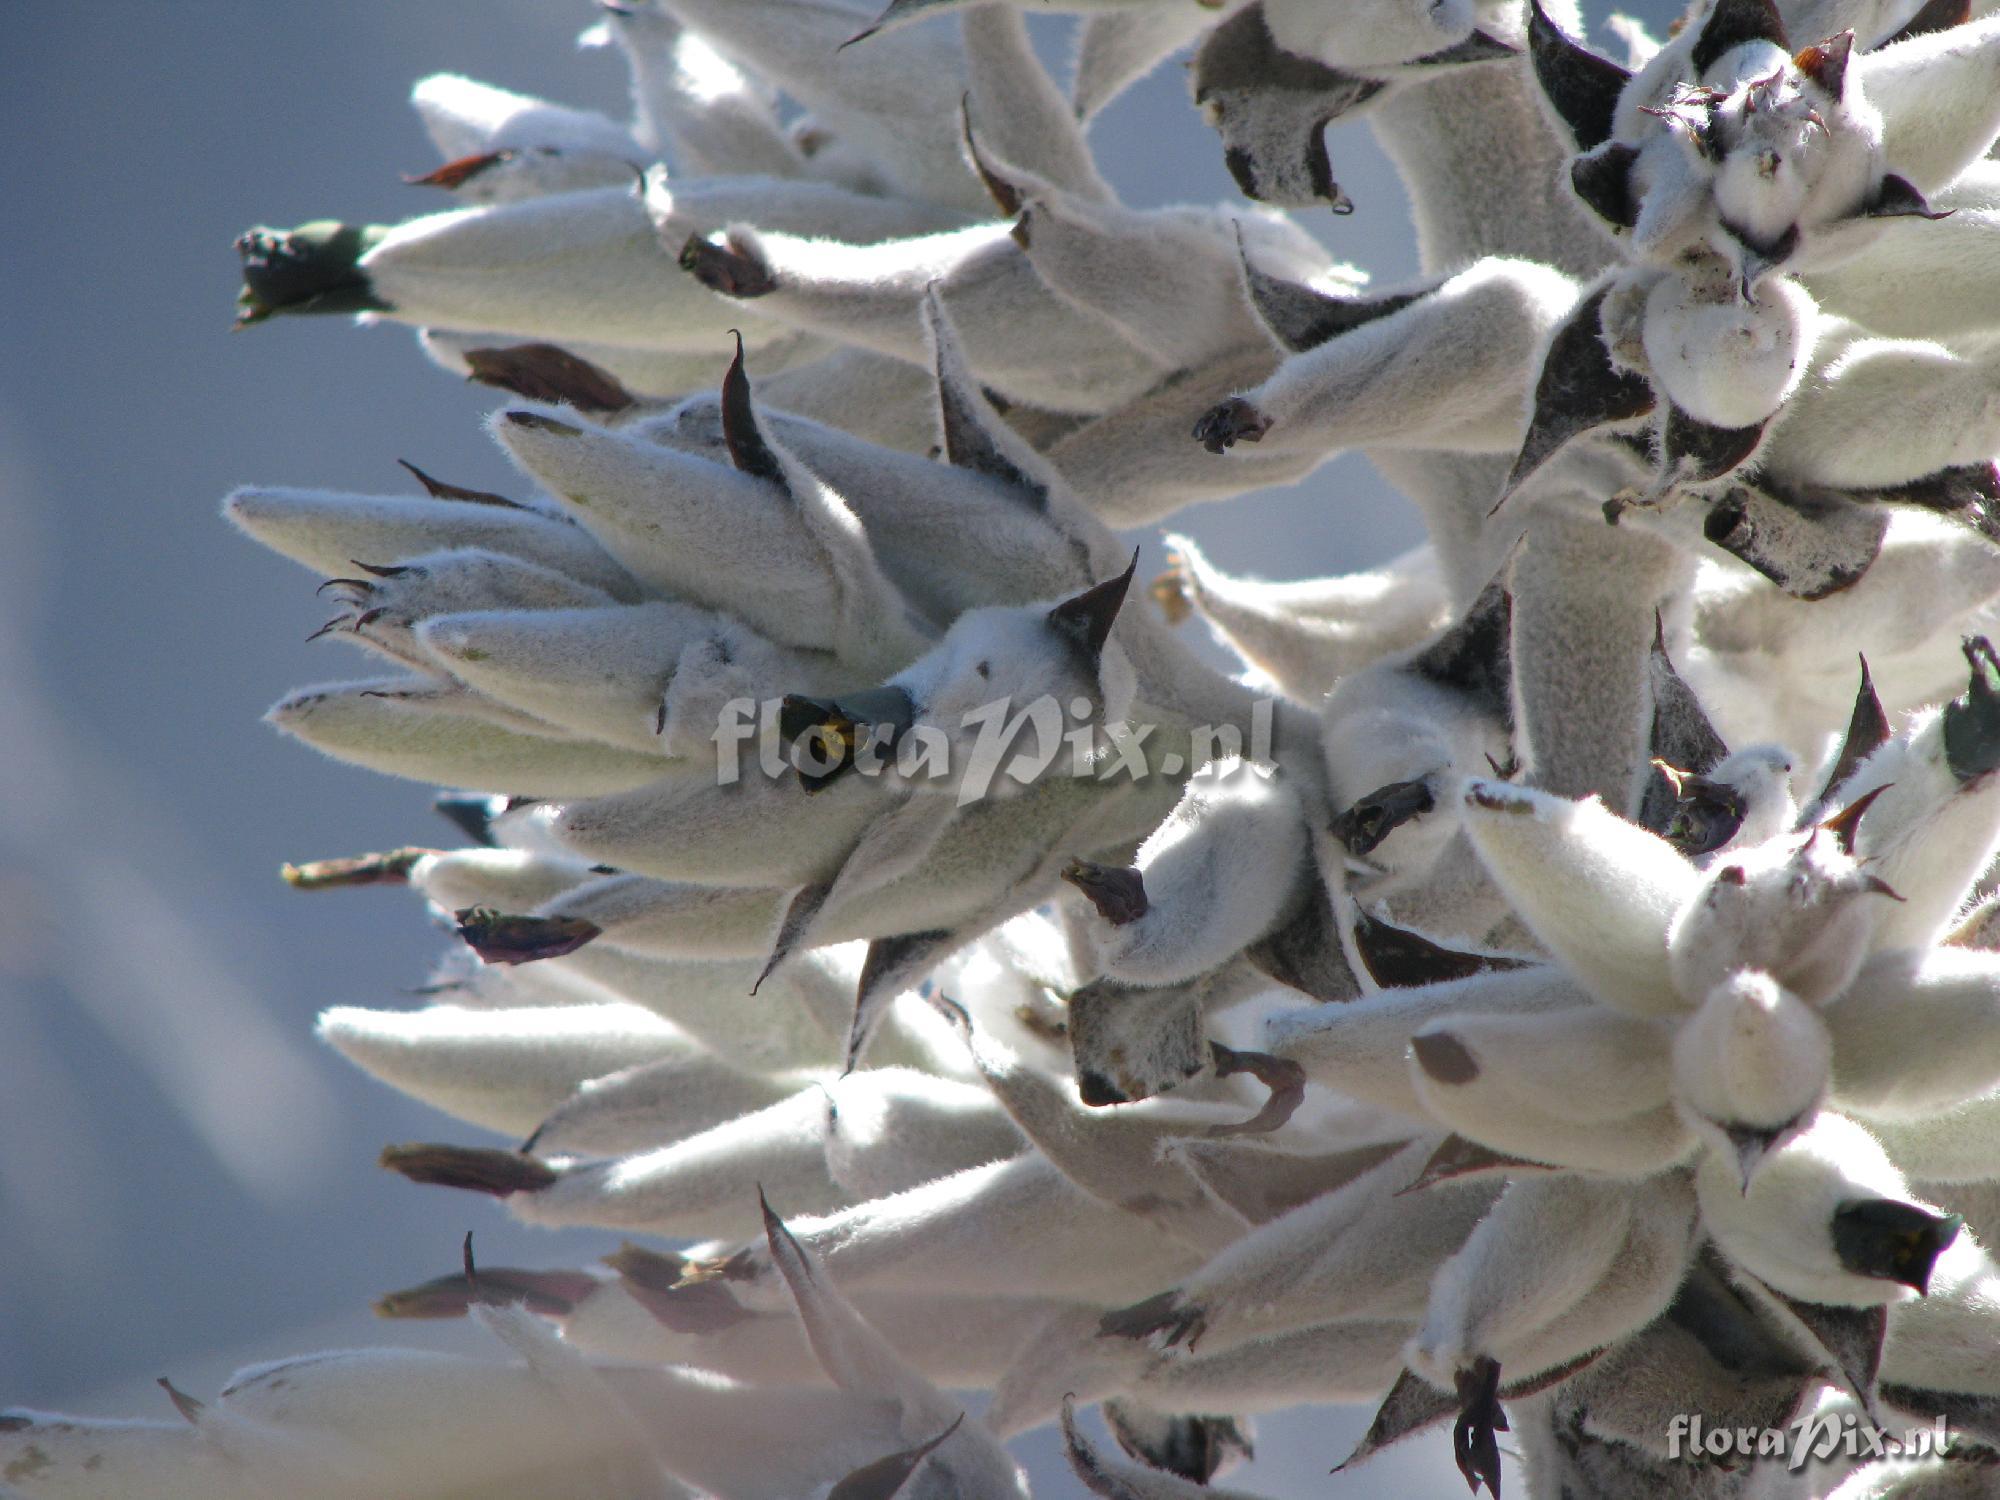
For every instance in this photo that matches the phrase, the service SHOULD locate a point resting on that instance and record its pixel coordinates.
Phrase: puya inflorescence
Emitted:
(1552, 988)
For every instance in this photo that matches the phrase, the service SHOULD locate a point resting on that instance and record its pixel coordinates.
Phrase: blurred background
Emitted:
(188, 1181)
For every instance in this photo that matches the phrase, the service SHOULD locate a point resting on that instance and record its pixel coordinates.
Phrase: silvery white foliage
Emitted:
(1573, 1010)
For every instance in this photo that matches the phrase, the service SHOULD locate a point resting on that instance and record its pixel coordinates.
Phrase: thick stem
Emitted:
(1584, 599)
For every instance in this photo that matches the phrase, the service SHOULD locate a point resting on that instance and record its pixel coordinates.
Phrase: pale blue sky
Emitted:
(187, 1179)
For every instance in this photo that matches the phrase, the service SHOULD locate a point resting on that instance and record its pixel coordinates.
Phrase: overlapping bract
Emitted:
(1446, 1018)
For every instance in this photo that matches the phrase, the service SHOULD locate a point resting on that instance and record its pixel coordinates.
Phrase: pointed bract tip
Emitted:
(548, 372)
(478, 1169)
(437, 489)
(1444, 1058)
(1085, 619)
(1005, 195)
(1825, 62)
(499, 938)
(1474, 1440)
(741, 436)
(1844, 824)
(189, 1408)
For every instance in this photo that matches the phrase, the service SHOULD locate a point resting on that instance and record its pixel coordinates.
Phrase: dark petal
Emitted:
(478, 1169)
(1362, 827)
(893, 964)
(1696, 451)
(1966, 493)
(545, 372)
(1118, 892)
(1972, 720)
(1301, 317)
(1680, 734)
(1228, 423)
(1825, 63)
(501, 938)
(1580, 86)
(1734, 22)
(1475, 656)
(1085, 619)
(1578, 389)
(1271, 107)
(1867, 732)
(1603, 180)
(1397, 958)
(727, 267)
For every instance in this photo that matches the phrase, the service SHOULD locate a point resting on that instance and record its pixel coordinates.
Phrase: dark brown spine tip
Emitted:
(1444, 1058)
(1732, 23)
(546, 372)
(659, 1270)
(392, 868)
(1844, 824)
(477, 1169)
(460, 170)
(1006, 197)
(741, 435)
(501, 939)
(1118, 893)
(550, 1294)
(728, 267)
(1230, 422)
(437, 489)
(1086, 618)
